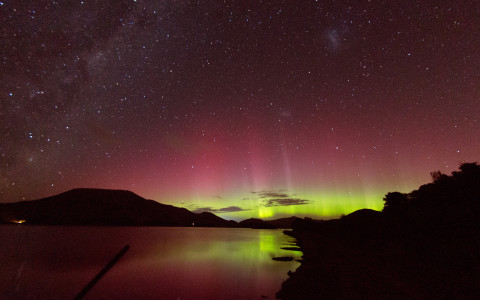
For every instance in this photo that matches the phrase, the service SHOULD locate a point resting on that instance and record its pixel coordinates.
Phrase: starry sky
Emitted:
(242, 108)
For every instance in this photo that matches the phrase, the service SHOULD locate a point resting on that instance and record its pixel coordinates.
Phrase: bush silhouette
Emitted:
(394, 202)
(446, 196)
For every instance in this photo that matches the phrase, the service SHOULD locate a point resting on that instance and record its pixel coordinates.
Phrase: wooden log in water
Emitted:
(90, 285)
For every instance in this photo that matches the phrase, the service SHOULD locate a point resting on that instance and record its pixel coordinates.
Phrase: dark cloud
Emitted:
(271, 194)
(279, 198)
(285, 202)
(231, 209)
(220, 210)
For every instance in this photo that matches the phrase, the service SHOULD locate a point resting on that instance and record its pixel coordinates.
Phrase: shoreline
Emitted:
(330, 268)
(338, 265)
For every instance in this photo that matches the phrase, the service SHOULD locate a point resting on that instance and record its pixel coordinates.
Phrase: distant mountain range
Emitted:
(101, 207)
(259, 223)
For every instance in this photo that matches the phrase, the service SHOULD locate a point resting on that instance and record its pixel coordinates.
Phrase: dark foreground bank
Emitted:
(336, 266)
(423, 245)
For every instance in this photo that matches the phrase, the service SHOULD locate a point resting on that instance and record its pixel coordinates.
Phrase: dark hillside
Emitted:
(104, 207)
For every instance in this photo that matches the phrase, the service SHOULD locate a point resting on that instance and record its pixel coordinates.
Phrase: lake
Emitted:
(43, 262)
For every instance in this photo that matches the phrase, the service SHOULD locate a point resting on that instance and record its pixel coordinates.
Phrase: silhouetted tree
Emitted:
(447, 195)
(439, 177)
(394, 201)
(469, 169)
(467, 183)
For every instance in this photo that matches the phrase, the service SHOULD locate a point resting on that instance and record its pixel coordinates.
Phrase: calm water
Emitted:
(162, 263)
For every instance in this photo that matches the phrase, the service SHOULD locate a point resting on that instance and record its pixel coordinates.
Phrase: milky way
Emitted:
(242, 108)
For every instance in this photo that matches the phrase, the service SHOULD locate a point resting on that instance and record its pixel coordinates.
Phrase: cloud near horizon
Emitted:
(285, 202)
(220, 210)
(279, 198)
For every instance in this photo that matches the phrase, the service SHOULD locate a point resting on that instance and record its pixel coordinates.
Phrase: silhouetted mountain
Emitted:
(271, 224)
(104, 207)
(283, 222)
(208, 219)
(362, 216)
(256, 224)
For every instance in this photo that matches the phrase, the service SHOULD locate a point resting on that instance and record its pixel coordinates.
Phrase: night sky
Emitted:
(242, 108)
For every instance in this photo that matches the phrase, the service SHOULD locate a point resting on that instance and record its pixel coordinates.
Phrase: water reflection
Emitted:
(166, 263)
